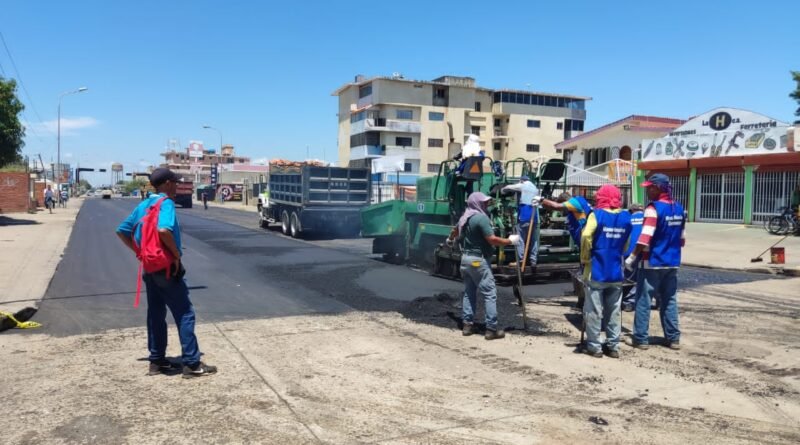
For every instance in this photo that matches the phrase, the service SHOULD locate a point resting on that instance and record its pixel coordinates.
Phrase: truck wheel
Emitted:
(262, 222)
(285, 222)
(295, 226)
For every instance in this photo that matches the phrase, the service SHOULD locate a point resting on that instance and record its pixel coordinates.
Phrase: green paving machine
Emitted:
(414, 232)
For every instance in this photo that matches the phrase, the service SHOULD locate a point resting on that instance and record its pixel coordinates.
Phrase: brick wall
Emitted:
(38, 194)
(14, 192)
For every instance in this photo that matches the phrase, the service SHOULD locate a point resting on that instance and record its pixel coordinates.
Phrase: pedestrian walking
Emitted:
(166, 288)
(637, 219)
(64, 198)
(475, 234)
(205, 199)
(527, 215)
(49, 200)
(603, 244)
(660, 244)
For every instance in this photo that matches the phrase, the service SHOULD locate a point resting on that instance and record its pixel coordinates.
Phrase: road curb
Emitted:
(768, 270)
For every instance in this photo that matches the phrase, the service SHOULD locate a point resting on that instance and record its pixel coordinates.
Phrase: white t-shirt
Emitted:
(48, 193)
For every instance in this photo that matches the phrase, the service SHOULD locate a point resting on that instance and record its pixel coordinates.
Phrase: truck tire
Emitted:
(262, 222)
(294, 226)
(285, 223)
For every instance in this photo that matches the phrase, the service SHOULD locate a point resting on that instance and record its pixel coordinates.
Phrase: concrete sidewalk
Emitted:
(727, 246)
(32, 245)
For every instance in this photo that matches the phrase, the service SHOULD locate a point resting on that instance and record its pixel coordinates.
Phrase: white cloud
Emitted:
(69, 125)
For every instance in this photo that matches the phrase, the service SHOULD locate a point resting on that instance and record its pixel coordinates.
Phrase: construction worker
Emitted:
(603, 243)
(526, 214)
(660, 244)
(637, 218)
(577, 209)
(476, 235)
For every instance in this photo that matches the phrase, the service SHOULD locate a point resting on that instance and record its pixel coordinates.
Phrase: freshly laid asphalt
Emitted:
(238, 271)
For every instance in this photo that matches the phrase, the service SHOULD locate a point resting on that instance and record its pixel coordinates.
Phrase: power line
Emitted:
(19, 77)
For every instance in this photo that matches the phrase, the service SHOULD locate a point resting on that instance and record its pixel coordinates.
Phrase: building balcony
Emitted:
(408, 152)
(499, 133)
(366, 152)
(383, 124)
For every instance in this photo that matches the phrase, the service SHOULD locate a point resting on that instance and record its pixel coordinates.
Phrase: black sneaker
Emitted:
(160, 366)
(613, 353)
(494, 335)
(674, 345)
(467, 329)
(198, 370)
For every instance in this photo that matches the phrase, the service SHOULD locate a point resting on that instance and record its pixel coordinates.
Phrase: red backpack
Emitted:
(152, 255)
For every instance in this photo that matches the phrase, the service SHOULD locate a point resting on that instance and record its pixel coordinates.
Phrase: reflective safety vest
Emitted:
(608, 245)
(665, 247)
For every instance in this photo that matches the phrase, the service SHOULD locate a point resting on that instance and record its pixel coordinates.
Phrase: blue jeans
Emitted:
(533, 248)
(630, 297)
(163, 293)
(478, 278)
(663, 285)
(601, 309)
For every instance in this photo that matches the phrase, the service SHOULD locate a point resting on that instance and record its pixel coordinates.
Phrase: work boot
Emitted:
(595, 354)
(674, 345)
(634, 344)
(198, 370)
(494, 335)
(160, 366)
(467, 329)
(613, 353)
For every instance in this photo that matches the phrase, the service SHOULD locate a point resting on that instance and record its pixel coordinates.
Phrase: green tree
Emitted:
(84, 184)
(136, 184)
(11, 130)
(796, 93)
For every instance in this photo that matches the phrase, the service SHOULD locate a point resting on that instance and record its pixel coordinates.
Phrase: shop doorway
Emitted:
(720, 197)
(625, 153)
(680, 189)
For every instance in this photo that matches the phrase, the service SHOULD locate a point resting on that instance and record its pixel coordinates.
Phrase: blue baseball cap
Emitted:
(658, 179)
(524, 178)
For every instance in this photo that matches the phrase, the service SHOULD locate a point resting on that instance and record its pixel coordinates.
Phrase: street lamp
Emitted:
(61, 96)
(209, 127)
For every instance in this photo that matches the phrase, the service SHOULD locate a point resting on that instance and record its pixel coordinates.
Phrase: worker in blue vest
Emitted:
(637, 218)
(526, 214)
(603, 244)
(576, 209)
(660, 244)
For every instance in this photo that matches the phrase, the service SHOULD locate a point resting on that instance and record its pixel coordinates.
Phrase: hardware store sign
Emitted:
(722, 132)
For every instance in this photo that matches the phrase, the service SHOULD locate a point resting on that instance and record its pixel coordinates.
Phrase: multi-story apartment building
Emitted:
(199, 168)
(426, 122)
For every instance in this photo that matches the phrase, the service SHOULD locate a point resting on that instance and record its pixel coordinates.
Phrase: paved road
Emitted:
(239, 271)
(234, 272)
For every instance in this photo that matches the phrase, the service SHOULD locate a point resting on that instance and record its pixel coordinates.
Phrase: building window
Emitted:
(364, 91)
(532, 147)
(497, 146)
(407, 167)
(405, 114)
(534, 123)
(577, 125)
(559, 125)
(369, 138)
(357, 117)
(477, 106)
(435, 143)
(567, 156)
(497, 122)
(441, 93)
(476, 130)
(433, 168)
(402, 141)
(435, 116)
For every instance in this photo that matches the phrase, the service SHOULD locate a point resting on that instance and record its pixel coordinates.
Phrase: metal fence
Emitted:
(771, 191)
(386, 191)
(720, 197)
(680, 190)
(586, 182)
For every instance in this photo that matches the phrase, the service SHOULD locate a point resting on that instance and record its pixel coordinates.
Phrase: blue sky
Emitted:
(262, 72)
